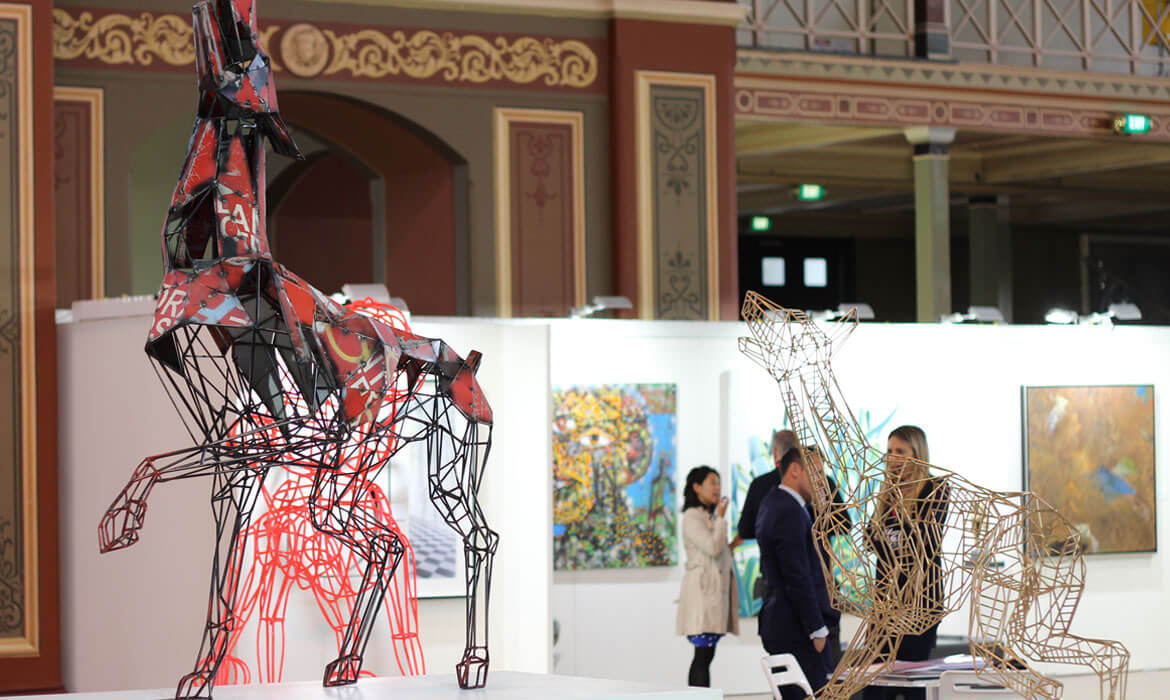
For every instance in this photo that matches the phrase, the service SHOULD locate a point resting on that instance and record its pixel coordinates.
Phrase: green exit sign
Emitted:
(761, 223)
(1131, 124)
(810, 193)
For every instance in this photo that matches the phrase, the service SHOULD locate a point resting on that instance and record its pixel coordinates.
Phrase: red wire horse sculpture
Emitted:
(268, 372)
(288, 551)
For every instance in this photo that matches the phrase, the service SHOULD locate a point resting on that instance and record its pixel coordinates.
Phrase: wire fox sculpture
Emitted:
(268, 372)
(1010, 556)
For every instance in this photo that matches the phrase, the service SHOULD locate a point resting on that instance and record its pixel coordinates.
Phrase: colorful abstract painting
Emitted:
(1089, 451)
(615, 500)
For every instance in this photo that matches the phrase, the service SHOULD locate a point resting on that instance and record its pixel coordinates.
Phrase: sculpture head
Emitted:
(785, 340)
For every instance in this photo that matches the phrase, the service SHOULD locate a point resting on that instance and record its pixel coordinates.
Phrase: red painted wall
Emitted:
(323, 228)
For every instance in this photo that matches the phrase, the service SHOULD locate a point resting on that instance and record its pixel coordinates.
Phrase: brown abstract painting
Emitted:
(1089, 451)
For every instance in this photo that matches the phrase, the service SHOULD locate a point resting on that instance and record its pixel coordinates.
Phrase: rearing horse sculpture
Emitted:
(267, 372)
(1010, 555)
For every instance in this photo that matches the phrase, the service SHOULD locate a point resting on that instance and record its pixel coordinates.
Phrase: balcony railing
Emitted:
(1104, 36)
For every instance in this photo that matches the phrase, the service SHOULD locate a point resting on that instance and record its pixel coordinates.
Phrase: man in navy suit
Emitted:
(796, 612)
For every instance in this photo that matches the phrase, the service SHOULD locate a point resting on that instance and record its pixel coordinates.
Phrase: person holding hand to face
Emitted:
(708, 603)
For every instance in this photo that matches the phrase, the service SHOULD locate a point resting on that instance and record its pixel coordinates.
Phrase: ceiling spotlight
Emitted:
(600, 303)
(864, 312)
(1060, 316)
(975, 314)
(1123, 311)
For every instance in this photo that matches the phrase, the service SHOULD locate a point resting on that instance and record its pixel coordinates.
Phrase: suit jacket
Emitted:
(761, 486)
(797, 602)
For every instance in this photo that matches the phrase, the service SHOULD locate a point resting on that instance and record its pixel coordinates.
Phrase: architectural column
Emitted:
(932, 36)
(30, 621)
(673, 165)
(991, 253)
(932, 224)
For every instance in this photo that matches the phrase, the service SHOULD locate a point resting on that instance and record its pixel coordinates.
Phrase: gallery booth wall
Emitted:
(133, 618)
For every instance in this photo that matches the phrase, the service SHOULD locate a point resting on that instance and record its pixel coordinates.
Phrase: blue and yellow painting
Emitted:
(1090, 453)
(614, 488)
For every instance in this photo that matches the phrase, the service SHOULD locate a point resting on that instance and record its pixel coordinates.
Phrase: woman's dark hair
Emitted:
(697, 476)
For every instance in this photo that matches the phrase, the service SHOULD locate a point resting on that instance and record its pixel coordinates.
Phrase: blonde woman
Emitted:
(911, 509)
(708, 602)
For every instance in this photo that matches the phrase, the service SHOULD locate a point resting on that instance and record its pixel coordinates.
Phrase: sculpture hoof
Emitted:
(343, 671)
(193, 685)
(472, 671)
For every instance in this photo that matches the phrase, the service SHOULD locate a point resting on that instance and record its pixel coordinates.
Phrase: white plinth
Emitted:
(502, 685)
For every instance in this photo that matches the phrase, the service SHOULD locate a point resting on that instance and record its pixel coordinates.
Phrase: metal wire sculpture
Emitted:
(269, 372)
(923, 545)
(287, 551)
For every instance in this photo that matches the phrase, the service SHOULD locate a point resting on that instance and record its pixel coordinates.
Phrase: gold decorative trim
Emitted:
(502, 118)
(118, 38)
(95, 98)
(642, 142)
(469, 58)
(423, 54)
(29, 644)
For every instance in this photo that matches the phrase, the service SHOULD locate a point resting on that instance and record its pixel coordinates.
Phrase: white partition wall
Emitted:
(962, 384)
(133, 618)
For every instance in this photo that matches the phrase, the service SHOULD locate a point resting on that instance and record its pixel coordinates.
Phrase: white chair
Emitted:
(783, 669)
(965, 685)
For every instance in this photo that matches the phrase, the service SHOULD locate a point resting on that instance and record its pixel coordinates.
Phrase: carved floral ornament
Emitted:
(306, 50)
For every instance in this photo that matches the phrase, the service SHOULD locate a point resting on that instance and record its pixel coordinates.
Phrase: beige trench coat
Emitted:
(708, 601)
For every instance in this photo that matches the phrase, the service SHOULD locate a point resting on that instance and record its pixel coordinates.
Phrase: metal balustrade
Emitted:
(1103, 36)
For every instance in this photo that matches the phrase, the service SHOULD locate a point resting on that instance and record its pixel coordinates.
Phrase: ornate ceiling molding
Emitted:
(713, 12)
(974, 77)
(344, 52)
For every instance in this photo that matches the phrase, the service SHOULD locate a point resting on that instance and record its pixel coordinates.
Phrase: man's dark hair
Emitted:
(790, 457)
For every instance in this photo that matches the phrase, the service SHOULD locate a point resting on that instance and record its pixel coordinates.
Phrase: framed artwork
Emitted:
(438, 550)
(1089, 451)
(615, 495)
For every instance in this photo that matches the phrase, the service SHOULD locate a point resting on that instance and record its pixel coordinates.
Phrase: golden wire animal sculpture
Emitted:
(923, 545)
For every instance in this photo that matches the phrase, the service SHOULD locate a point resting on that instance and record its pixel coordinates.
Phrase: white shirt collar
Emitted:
(794, 494)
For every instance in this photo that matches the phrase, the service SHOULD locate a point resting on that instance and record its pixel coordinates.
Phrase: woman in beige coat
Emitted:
(708, 603)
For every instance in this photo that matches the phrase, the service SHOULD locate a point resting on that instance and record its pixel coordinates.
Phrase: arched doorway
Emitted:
(322, 225)
(382, 174)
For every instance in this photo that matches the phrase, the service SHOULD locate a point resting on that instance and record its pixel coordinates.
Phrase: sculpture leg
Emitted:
(375, 547)
(456, 456)
(1045, 635)
(870, 644)
(401, 604)
(1000, 604)
(273, 611)
(233, 496)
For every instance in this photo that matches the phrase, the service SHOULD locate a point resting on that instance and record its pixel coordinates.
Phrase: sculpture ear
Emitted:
(842, 328)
